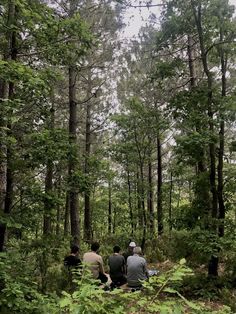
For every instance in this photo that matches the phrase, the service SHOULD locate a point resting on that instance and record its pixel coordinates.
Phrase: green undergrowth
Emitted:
(20, 293)
(160, 295)
(34, 280)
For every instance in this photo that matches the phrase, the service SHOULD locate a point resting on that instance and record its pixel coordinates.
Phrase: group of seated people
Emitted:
(130, 268)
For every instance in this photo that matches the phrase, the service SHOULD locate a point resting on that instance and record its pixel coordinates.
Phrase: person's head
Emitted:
(95, 246)
(116, 249)
(132, 245)
(74, 249)
(137, 250)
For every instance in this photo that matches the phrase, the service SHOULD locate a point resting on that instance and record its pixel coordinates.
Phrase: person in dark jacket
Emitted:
(116, 264)
(73, 260)
(129, 252)
(73, 268)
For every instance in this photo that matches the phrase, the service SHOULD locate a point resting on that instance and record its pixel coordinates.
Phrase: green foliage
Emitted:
(168, 69)
(201, 286)
(47, 146)
(229, 298)
(179, 240)
(19, 293)
(16, 72)
(157, 296)
(186, 217)
(40, 267)
(195, 245)
(89, 298)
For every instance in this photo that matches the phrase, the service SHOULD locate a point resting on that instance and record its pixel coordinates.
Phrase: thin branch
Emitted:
(218, 44)
(145, 5)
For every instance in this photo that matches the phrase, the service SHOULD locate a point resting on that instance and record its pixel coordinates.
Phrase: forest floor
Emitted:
(210, 304)
(213, 305)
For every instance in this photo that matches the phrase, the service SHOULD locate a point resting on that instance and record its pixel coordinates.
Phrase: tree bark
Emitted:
(58, 222)
(143, 206)
(48, 203)
(130, 203)
(67, 215)
(72, 167)
(221, 141)
(159, 188)
(6, 173)
(170, 202)
(192, 69)
(150, 206)
(139, 200)
(202, 196)
(87, 205)
(109, 208)
(213, 264)
(3, 164)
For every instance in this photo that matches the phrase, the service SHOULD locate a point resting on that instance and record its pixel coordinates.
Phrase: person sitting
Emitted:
(95, 263)
(72, 260)
(116, 264)
(129, 252)
(73, 267)
(136, 269)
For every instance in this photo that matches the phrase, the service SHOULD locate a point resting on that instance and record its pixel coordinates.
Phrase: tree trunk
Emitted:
(58, 188)
(3, 152)
(144, 226)
(159, 188)
(9, 173)
(213, 264)
(130, 203)
(72, 161)
(73, 193)
(67, 215)
(87, 209)
(139, 200)
(150, 206)
(191, 63)
(170, 202)
(48, 203)
(3, 163)
(109, 208)
(202, 195)
(6, 174)
(114, 220)
(221, 141)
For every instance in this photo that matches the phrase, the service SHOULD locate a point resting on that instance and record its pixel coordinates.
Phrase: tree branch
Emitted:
(218, 44)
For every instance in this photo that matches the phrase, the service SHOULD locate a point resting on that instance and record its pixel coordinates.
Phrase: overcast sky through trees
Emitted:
(137, 17)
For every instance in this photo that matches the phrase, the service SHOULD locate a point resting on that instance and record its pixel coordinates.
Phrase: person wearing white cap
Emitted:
(129, 252)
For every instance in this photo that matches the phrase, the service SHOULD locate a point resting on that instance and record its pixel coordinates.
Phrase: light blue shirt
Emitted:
(136, 270)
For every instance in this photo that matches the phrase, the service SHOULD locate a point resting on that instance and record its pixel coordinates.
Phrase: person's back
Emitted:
(73, 267)
(136, 269)
(116, 264)
(72, 260)
(95, 263)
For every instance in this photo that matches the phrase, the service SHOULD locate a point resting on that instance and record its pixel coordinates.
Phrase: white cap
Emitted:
(132, 244)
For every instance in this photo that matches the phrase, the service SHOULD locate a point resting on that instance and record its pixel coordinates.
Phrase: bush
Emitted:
(19, 292)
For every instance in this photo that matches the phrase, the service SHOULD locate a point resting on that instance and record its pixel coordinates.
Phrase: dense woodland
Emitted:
(113, 139)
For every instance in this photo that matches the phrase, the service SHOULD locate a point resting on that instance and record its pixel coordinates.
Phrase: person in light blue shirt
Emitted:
(136, 268)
